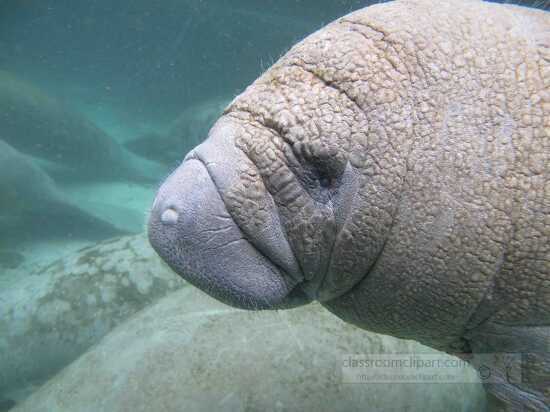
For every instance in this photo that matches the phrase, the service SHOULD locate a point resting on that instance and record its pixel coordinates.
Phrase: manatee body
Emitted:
(182, 354)
(395, 166)
(70, 146)
(32, 207)
(54, 314)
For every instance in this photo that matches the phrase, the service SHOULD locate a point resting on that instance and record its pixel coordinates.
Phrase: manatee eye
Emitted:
(324, 181)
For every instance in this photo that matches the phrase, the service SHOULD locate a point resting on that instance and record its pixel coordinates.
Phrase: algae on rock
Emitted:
(50, 317)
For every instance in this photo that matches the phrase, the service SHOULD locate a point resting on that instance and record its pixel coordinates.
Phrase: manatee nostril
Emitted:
(169, 216)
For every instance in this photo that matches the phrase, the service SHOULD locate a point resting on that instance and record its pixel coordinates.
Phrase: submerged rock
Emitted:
(32, 207)
(50, 317)
(71, 146)
(187, 131)
(189, 352)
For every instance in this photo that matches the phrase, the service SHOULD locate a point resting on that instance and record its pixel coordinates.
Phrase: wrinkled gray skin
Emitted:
(394, 166)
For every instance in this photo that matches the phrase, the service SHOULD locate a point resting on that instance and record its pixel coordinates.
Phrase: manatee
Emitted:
(190, 353)
(185, 132)
(55, 313)
(32, 207)
(394, 166)
(71, 147)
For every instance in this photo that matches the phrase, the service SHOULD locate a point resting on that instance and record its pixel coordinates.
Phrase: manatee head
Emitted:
(196, 225)
(281, 204)
(292, 195)
(254, 220)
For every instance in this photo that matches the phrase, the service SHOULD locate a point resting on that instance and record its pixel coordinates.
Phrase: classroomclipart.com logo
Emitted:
(431, 368)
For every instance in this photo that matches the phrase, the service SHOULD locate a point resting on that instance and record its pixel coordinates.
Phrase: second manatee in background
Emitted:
(70, 146)
(184, 133)
(33, 208)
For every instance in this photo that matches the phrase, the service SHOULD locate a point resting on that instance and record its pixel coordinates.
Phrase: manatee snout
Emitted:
(192, 230)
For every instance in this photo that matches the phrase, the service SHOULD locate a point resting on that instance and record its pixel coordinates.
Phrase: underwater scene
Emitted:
(361, 221)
